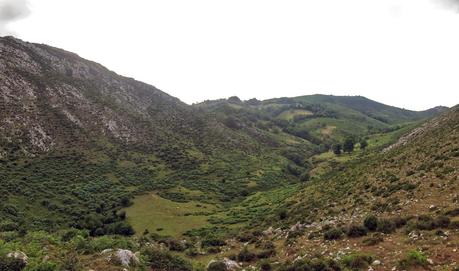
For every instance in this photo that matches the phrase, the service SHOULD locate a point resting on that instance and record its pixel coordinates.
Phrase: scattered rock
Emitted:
(269, 231)
(297, 227)
(376, 262)
(415, 235)
(105, 251)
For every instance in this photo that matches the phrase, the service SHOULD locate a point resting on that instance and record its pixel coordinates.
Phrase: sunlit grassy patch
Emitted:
(166, 217)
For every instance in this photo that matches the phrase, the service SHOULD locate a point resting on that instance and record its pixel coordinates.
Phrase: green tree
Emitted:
(348, 145)
(363, 144)
(337, 149)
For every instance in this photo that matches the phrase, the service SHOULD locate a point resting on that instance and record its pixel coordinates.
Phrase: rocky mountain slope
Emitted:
(51, 99)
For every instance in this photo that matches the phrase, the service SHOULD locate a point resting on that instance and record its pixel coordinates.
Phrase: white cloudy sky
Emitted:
(400, 52)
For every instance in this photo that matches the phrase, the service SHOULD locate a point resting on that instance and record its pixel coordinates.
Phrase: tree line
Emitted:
(348, 146)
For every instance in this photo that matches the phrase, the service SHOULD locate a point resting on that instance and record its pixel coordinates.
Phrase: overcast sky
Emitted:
(399, 52)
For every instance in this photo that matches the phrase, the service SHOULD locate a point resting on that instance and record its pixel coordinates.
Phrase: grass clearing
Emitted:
(152, 212)
(290, 114)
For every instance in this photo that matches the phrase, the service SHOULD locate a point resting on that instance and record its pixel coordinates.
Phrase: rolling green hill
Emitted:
(319, 120)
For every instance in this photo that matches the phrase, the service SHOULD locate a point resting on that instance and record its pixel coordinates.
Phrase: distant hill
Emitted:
(319, 119)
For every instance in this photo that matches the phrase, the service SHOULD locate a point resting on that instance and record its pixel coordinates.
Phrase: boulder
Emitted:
(124, 257)
(297, 227)
(127, 257)
(230, 264)
(18, 255)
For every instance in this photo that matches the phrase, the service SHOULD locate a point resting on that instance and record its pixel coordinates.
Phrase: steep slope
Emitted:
(52, 98)
(418, 171)
(77, 141)
(395, 209)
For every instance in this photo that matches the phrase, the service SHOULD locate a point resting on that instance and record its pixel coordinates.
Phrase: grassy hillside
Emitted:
(317, 119)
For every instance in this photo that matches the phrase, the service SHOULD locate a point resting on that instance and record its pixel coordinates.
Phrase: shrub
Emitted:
(282, 214)
(442, 221)
(333, 234)
(385, 226)
(373, 240)
(213, 250)
(162, 260)
(348, 145)
(11, 264)
(213, 242)
(399, 221)
(356, 231)
(453, 212)
(266, 253)
(425, 222)
(314, 264)
(371, 222)
(8, 226)
(176, 245)
(245, 255)
(217, 266)
(265, 266)
(454, 224)
(357, 261)
(45, 266)
(413, 258)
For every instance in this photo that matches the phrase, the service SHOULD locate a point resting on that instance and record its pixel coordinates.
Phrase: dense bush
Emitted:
(316, 264)
(333, 234)
(266, 253)
(217, 266)
(372, 240)
(213, 242)
(385, 226)
(399, 221)
(356, 231)
(245, 255)
(265, 266)
(162, 260)
(412, 259)
(454, 224)
(45, 266)
(371, 222)
(282, 214)
(442, 221)
(425, 222)
(357, 261)
(11, 264)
